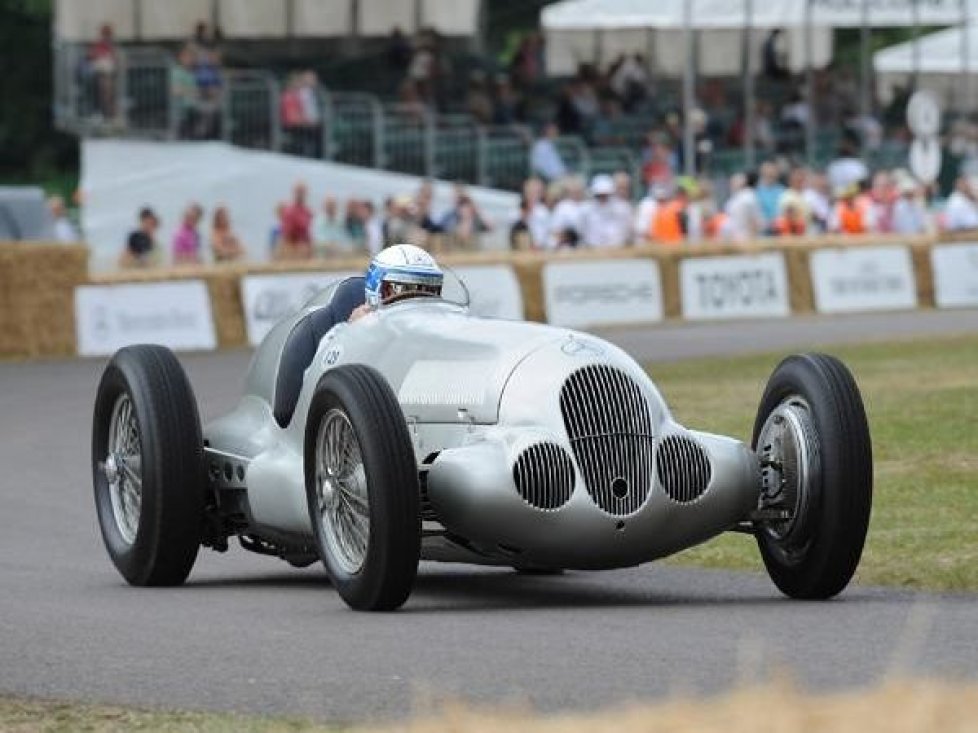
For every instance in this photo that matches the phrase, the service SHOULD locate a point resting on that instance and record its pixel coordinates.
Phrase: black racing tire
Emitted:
(816, 557)
(163, 544)
(388, 566)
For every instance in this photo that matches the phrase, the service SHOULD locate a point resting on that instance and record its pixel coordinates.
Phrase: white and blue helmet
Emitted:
(402, 270)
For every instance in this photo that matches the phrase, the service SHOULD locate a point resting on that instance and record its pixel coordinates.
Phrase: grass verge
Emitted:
(896, 707)
(922, 401)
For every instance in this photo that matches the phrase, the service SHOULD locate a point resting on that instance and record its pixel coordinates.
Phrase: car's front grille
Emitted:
(610, 429)
(683, 468)
(544, 476)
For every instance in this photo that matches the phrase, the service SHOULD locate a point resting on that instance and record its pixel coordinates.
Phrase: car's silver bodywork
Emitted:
(536, 446)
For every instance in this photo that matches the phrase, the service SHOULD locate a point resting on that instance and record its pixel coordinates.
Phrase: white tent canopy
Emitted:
(938, 53)
(729, 14)
(945, 62)
(599, 30)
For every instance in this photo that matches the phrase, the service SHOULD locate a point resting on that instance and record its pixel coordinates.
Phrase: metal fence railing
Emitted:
(250, 110)
(354, 129)
(146, 93)
(144, 96)
(408, 139)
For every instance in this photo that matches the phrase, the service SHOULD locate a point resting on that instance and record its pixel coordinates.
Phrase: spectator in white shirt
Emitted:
(846, 169)
(64, 229)
(744, 219)
(545, 158)
(607, 220)
(538, 214)
(909, 214)
(961, 212)
(567, 219)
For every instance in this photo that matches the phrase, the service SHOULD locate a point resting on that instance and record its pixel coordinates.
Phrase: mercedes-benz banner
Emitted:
(737, 286)
(602, 292)
(267, 299)
(850, 280)
(955, 269)
(174, 314)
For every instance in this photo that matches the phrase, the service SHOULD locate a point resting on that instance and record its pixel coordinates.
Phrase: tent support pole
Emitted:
(915, 50)
(809, 86)
(689, 101)
(964, 101)
(864, 72)
(748, 85)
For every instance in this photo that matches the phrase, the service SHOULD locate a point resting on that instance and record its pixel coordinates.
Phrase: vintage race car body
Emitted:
(536, 446)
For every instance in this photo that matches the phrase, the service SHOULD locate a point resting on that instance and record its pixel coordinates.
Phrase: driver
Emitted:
(399, 272)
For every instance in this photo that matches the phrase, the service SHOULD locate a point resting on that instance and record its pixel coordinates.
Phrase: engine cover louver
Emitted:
(610, 429)
(544, 476)
(683, 468)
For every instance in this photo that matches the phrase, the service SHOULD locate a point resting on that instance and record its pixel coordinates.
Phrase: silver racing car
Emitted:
(421, 431)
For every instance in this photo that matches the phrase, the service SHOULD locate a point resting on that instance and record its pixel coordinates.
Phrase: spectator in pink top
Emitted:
(186, 241)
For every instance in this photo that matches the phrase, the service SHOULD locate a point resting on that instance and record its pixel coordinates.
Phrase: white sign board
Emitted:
(602, 292)
(494, 291)
(740, 286)
(174, 314)
(863, 279)
(955, 275)
(267, 299)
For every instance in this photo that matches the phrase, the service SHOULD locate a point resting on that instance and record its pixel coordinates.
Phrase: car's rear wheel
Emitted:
(147, 466)
(812, 437)
(362, 488)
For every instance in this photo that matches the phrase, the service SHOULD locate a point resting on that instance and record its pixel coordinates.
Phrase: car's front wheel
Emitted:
(813, 441)
(362, 488)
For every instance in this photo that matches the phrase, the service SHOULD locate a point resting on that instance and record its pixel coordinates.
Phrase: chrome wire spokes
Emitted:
(123, 468)
(341, 490)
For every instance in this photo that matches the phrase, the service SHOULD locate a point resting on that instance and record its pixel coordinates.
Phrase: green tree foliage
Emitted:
(30, 147)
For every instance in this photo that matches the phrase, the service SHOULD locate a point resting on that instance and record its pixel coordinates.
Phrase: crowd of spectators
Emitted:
(300, 230)
(777, 201)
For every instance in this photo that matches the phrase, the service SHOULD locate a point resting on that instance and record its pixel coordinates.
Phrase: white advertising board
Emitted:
(494, 291)
(955, 275)
(267, 299)
(863, 279)
(740, 286)
(602, 292)
(174, 314)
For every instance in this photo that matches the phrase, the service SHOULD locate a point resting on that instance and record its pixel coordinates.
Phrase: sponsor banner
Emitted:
(863, 279)
(494, 291)
(955, 275)
(738, 286)
(267, 299)
(602, 292)
(174, 314)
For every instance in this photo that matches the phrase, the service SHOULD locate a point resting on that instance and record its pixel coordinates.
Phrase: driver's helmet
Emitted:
(402, 271)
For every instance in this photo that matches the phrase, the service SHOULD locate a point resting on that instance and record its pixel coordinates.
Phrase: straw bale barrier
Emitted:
(37, 281)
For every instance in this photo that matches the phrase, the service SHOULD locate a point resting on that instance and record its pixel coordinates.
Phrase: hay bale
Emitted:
(38, 285)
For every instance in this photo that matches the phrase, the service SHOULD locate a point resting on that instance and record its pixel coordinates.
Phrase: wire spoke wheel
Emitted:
(344, 504)
(791, 472)
(812, 441)
(148, 466)
(362, 490)
(123, 468)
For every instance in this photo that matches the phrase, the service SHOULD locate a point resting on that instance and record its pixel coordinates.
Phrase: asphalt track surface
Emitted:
(251, 634)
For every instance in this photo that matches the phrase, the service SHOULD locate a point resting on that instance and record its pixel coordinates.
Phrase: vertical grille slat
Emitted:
(683, 468)
(610, 430)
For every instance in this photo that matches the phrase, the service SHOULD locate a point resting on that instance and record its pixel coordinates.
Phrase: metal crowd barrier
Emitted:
(354, 128)
(250, 107)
